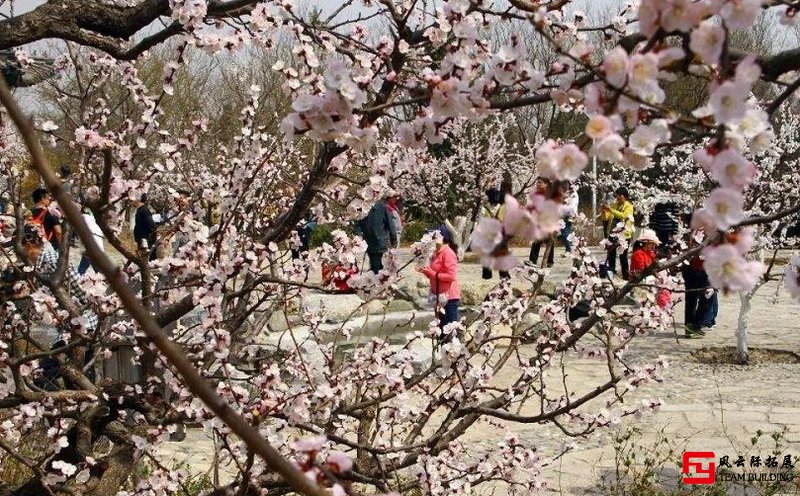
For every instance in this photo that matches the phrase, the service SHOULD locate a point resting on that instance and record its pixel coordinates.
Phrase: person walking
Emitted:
(43, 217)
(144, 228)
(542, 187)
(570, 212)
(98, 236)
(494, 209)
(620, 211)
(376, 229)
(442, 273)
(701, 302)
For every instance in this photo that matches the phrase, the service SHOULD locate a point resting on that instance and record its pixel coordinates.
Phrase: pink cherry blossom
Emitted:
(731, 170)
(740, 14)
(707, 40)
(643, 80)
(537, 220)
(728, 270)
(609, 148)
(747, 71)
(312, 443)
(728, 102)
(339, 461)
(598, 127)
(616, 66)
(570, 162)
(725, 207)
(487, 235)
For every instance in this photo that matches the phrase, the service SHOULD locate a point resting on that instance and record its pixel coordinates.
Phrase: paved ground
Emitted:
(716, 408)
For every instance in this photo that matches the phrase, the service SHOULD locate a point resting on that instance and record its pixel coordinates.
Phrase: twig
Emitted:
(193, 380)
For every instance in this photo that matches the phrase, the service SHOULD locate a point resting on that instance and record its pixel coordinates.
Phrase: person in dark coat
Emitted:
(144, 228)
(376, 229)
(664, 221)
(304, 230)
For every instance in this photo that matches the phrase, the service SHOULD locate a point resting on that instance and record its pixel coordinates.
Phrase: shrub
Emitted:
(322, 234)
(413, 231)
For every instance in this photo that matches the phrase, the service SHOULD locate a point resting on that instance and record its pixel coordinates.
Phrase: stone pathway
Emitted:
(705, 407)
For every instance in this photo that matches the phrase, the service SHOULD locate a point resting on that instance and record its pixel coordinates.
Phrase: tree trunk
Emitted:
(745, 299)
(461, 230)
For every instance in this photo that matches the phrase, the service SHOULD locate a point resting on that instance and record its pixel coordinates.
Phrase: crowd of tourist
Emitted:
(631, 243)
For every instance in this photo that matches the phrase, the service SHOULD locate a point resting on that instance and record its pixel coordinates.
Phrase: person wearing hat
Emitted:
(376, 230)
(442, 272)
(644, 252)
(644, 255)
(619, 212)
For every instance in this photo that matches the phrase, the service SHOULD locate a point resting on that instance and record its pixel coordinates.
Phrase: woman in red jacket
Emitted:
(644, 254)
(442, 272)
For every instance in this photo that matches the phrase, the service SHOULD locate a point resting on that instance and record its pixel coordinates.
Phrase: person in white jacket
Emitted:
(98, 236)
(570, 212)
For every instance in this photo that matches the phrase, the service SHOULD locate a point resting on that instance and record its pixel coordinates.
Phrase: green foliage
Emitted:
(413, 231)
(322, 234)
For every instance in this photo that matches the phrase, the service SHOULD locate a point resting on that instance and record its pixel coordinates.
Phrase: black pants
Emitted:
(536, 246)
(486, 273)
(375, 261)
(699, 311)
(305, 239)
(666, 242)
(611, 261)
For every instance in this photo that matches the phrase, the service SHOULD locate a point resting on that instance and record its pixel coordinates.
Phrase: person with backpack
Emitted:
(664, 222)
(42, 217)
(304, 230)
(701, 302)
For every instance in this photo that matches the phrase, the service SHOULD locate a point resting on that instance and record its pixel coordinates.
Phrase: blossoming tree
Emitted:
(301, 418)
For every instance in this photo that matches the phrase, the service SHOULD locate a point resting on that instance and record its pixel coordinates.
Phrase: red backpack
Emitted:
(38, 221)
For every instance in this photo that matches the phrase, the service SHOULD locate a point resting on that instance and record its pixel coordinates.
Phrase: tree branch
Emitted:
(176, 357)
